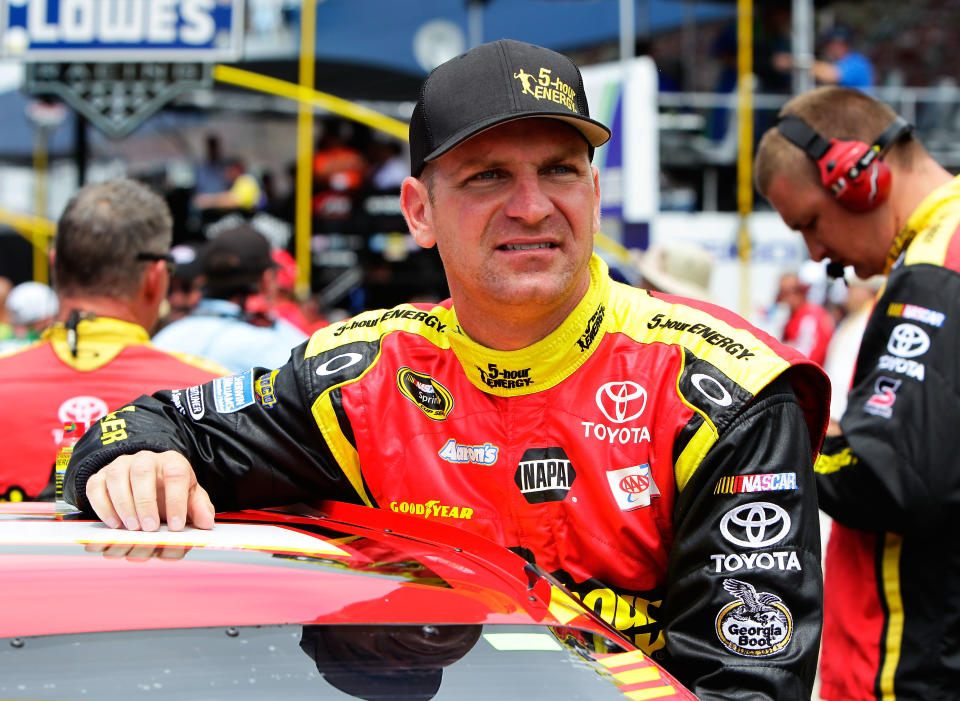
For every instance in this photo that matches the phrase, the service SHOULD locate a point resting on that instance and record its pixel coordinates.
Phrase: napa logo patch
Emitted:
(432, 398)
(757, 624)
(545, 475)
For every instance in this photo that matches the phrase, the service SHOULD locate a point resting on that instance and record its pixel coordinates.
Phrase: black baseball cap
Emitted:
(235, 259)
(495, 83)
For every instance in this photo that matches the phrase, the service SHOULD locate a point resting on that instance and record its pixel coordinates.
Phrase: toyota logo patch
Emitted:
(755, 525)
(908, 341)
(621, 401)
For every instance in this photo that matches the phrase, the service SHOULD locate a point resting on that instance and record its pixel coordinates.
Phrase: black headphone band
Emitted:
(899, 128)
(802, 135)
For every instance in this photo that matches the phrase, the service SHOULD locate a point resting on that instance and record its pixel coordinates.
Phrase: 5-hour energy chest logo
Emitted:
(715, 338)
(504, 378)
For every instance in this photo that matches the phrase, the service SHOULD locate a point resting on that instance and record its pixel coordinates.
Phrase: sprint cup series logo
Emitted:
(757, 624)
(432, 398)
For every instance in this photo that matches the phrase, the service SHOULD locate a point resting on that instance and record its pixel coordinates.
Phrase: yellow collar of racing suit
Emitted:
(924, 217)
(546, 362)
(98, 341)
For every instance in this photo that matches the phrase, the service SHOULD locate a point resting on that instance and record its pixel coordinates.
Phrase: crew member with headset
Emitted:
(850, 175)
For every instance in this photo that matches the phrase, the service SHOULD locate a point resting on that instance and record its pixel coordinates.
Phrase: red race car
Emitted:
(340, 602)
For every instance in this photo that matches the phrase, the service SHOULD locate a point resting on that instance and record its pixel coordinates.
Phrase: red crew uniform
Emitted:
(809, 330)
(46, 385)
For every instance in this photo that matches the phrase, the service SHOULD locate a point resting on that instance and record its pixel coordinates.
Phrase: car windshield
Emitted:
(309, 662)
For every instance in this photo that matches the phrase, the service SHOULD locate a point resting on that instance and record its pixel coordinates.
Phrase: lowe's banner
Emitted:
(121, 30)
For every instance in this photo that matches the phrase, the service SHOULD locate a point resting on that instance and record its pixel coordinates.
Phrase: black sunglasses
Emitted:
(156, 256)
(165, 257)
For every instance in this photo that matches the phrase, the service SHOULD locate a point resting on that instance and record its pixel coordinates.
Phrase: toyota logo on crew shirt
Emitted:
(82, 409)
(908, 341)
(621, 401)
(755, 525)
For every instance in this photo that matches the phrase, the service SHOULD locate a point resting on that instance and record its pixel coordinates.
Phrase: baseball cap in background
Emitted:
(495, 83)
(31, 302)
(236, 257)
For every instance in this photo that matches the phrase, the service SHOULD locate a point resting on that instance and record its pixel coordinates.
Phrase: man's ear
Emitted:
(596, 199)
(155, 282)
(417, 210)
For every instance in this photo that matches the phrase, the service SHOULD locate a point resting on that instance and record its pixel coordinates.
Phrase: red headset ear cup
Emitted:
(858, 188)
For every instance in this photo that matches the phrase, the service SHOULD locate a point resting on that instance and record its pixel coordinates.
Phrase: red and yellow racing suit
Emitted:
(653, 453)
(47, 384)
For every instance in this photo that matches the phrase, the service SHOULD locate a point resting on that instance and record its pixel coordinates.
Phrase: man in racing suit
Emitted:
(888, 474)
(111, 276)
(653, 453)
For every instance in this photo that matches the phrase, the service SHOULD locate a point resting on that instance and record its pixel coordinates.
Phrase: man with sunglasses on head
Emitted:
(111, 269)
(654, 453)
(848, 174)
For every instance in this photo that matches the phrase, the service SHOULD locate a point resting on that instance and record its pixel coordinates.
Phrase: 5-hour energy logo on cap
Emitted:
(541, 87)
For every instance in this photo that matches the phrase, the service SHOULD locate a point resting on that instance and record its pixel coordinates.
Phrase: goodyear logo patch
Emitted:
(432, 398)
(431, 509)
(543, 86)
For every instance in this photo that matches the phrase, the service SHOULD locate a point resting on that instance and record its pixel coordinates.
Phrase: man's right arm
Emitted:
(247, 441)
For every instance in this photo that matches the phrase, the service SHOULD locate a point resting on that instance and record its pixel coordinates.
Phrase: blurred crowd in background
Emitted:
(877, 46)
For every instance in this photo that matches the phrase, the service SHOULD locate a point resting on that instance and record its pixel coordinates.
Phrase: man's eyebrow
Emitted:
(490, 161)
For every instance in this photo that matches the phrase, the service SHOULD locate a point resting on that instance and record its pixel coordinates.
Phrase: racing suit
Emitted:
(653, 453)
(892, 480)
(51, 383)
